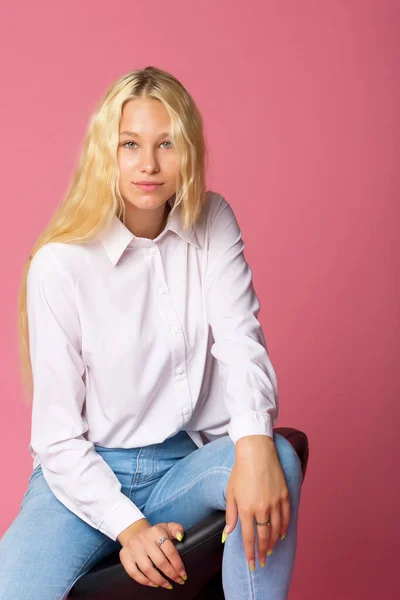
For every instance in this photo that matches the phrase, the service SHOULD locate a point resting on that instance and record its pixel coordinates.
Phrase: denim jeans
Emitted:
(47, 547)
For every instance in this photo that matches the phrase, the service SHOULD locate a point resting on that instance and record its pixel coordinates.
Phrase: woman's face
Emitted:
(146, 153)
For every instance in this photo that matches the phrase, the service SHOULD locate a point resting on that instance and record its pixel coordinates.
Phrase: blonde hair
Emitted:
(93, 195)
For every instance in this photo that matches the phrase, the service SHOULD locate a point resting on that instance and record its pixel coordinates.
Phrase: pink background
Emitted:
(301, 105)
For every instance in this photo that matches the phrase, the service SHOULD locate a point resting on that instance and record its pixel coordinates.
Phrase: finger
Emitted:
(147, 567)
(176, 530)
(167, 559)
(285, 514)
(174, 557)
(262, 536)
(231, 513)
(132, 569)
(247, 521)
(275, 527)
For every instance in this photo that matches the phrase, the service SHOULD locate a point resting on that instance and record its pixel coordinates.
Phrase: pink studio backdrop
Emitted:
(300, 101)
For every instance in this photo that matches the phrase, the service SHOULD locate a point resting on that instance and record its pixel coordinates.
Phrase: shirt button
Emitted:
(153, 250)
(186, 410)
(179, 370)
(175, 330)
(162, 290)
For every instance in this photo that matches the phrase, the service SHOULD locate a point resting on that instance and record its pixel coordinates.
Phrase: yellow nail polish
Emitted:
(269, 552)
(283, 536)
(184, 577)
(169, 587)
(225, 533)
(252, 567)
(262, 565)
(179, 536)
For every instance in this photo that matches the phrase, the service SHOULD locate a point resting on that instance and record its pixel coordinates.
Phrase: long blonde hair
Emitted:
(93, 195)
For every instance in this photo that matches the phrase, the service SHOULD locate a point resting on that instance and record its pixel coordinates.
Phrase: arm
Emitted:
(77, 475)
(256, 480)
(232, 306)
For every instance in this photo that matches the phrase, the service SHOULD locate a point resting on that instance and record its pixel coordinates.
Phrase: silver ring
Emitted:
(264, 523)
(162, 540)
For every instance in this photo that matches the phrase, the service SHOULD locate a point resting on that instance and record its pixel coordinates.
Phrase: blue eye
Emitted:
(166, 142)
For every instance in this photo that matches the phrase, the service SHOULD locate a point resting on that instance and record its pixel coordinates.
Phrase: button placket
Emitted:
(177, 342)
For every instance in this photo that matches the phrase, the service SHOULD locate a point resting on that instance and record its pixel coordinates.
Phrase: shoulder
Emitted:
(214, 201)
(216, 206)
(43, 262)
(51, 293)
(47, 278)
(59, 260)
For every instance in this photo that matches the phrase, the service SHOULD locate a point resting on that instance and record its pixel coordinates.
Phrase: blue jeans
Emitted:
(47, 547)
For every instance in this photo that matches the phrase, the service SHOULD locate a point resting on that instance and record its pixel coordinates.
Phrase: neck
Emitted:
(146, 223)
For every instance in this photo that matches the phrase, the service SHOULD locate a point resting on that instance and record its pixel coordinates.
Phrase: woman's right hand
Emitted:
(140, 554)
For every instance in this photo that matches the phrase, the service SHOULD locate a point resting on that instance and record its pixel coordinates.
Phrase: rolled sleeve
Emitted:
(77, 474)
(249, 378)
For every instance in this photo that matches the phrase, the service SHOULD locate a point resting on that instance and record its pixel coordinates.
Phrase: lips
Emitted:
(148, 187)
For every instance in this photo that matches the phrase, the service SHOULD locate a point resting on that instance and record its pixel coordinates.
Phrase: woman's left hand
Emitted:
(257, 489)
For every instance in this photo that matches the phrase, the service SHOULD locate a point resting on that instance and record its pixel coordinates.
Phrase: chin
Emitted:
(144, 201)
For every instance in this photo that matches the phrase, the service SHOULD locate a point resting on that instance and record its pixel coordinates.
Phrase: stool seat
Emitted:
(201, 550)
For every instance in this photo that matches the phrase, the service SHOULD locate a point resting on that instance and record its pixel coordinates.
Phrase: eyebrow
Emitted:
(132, 133)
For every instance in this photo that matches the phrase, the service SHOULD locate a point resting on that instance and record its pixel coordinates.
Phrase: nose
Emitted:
(148, 161)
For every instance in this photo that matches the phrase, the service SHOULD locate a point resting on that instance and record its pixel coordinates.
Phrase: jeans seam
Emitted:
(135, 474)
(190, 485)
(152, 462)
(154, 468)
(251, 586)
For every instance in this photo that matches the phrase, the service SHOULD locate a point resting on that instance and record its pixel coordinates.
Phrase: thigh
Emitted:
(47, 547)
(196, 485)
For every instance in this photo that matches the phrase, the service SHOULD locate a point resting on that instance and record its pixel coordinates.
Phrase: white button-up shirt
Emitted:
(134, 339)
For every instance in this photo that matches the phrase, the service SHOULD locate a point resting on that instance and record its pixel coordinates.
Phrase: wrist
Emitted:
(132, 530)
(253, 443)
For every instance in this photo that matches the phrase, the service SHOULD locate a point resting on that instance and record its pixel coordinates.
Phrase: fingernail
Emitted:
(167, 586)
(153, 585)
(283, 536)
(179, 536)
(181, 581)
(225, 533)
(252, 566)
(269, 552)
(183, 575)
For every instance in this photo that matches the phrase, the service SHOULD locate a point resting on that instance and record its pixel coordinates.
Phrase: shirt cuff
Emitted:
(250, 423)
(119, 518)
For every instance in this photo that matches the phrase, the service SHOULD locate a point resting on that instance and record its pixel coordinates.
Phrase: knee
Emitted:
(288, 458)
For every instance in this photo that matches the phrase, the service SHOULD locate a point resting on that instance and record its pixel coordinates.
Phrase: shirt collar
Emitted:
(116, 236)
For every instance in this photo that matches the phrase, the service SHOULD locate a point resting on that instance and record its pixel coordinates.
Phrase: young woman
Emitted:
(154, 398)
